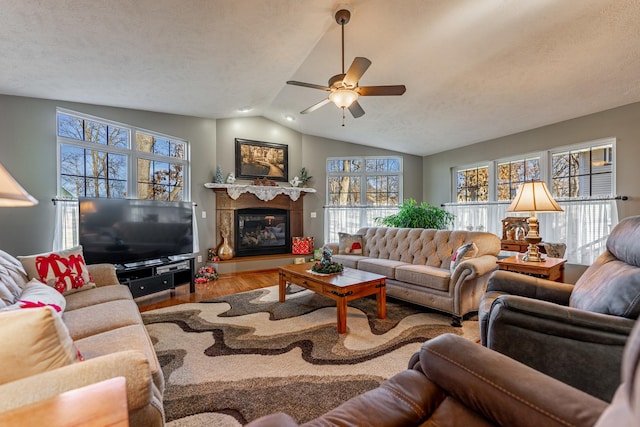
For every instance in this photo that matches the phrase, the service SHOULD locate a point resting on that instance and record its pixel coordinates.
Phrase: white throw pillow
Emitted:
(37, 294)
(466, 251)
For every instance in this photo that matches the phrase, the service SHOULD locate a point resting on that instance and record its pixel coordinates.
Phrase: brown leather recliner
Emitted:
(575, 334)
(454, 382)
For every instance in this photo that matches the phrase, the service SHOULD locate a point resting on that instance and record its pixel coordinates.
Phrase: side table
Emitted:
(549, 268)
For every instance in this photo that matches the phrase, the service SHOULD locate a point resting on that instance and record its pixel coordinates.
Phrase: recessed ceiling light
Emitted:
(290, 118)
(245, 109)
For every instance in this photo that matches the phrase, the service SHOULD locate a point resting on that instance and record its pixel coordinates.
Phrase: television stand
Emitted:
(151, 277)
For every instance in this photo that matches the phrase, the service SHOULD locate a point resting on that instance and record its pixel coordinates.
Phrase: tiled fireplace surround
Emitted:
(227, 206)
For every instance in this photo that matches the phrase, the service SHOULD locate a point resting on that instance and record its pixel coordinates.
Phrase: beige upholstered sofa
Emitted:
(417, 264)
(101, 323)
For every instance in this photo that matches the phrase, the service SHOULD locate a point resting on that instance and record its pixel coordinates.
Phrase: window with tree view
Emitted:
(359, 190)
(582, 172)
(97, 159)
(472, 184)
(511, 174)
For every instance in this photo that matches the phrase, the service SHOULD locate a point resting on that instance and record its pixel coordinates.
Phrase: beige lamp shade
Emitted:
(11, 193)
(533, 196)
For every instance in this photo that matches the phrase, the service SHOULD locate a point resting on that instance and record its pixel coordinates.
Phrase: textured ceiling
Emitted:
(474, 70)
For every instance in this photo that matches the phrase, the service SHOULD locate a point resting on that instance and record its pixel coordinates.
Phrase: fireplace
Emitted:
(261, 231)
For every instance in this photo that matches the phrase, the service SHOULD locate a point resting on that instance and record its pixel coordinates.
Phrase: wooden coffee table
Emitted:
(342, 287)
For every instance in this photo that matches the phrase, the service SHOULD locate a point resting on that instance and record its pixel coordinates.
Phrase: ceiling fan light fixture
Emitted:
(343, 98)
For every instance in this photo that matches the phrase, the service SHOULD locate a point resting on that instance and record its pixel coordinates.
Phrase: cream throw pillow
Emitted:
(34, 340)
(350, 244)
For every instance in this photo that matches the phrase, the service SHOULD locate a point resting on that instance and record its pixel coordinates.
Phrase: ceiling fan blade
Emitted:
(314, 107)
(310, 85)
(356, 110)
(356, 70)
(381, 90)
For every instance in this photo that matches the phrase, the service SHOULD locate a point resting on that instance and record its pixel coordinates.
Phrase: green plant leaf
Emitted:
(412, 215)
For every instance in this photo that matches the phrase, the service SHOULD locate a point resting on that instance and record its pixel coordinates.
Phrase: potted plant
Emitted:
(412, 215)
(304, 176)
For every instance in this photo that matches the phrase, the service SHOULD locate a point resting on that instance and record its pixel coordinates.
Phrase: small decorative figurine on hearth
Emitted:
(231, 178)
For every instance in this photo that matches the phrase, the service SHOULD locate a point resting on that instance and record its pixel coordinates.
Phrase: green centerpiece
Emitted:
(326, 265)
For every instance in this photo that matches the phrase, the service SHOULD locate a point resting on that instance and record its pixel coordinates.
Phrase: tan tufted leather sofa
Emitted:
(416, 262)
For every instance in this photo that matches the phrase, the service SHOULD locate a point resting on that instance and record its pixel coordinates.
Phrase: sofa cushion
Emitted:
(98, 296)
(95, 319)
(33, 340)
(609, 286)
(466, 251)
(133, 337)
(350, 261)
(65, 270)
(37, 294)
(385, 267)
(425, 276)
(350, 244)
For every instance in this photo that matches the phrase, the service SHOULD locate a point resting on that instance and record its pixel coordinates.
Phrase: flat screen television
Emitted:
(126, 231)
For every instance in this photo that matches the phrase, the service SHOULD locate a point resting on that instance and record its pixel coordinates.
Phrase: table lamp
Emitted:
(11, 193)
(533, 197)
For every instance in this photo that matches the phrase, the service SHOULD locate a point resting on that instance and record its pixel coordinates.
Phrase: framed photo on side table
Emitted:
(255, 159)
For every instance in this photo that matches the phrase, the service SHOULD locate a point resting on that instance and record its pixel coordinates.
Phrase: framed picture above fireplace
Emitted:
(255, 159)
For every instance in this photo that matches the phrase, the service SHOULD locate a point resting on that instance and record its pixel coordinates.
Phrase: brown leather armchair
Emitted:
(454, 382)
(575, 334)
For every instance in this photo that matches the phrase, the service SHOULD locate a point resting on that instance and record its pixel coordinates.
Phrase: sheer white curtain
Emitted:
(196, 239)
(65, 234)
(583, 226)
(350, 219)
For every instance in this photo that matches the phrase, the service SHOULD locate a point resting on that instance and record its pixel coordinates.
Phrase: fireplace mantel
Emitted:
(262, 192)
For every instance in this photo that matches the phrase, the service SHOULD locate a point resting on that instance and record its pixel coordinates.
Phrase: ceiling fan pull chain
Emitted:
(342, 117)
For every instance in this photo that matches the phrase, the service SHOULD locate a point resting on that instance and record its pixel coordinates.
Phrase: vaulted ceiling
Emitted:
(474, 70)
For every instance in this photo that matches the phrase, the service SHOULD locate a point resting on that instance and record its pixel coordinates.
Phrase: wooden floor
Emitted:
(226, 284)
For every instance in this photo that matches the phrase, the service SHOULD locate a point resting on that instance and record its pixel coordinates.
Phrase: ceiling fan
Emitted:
(343, 88)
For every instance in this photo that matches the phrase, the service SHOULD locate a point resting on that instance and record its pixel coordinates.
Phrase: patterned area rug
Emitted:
(234, 359)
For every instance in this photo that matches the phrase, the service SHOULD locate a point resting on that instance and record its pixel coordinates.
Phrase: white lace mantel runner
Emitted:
(262, 192)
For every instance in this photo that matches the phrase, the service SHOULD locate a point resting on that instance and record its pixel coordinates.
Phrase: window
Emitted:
(100, 158)
(582, 172)
(511, 174)
(359, 190)
(581, 178)
(472, 184)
